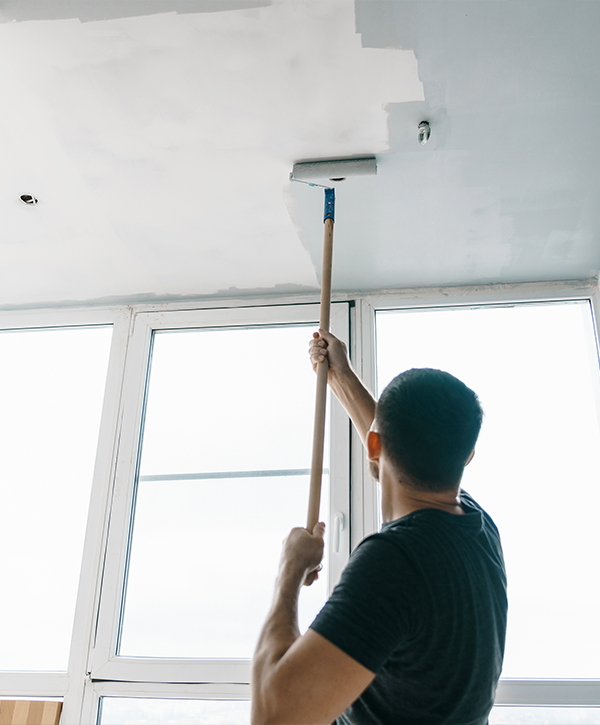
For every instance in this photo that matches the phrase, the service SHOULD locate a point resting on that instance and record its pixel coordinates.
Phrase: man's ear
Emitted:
(373, 446)
(470, 458)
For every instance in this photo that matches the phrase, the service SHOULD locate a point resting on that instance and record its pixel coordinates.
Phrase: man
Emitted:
(414, 631)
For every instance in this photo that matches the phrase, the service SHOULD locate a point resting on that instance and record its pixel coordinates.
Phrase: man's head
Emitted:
(428, 422)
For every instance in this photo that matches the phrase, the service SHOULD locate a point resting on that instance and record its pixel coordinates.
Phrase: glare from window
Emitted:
(535, 369)
(52, 392)
(545, 716)
(147, 711)
(223, 479)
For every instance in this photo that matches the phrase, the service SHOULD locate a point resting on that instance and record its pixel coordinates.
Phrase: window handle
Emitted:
(338, 526)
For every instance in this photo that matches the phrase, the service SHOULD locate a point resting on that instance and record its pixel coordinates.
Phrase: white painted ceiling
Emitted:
(159, 135)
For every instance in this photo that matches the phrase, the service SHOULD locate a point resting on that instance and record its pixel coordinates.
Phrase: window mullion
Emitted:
(365, 500)
(339, 493)
(87, 597)
(111, 577)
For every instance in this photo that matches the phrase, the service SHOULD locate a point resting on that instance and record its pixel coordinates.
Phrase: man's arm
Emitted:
(300, 680)
(344, 382)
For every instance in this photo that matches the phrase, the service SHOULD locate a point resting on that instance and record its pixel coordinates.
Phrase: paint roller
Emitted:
(330, 171)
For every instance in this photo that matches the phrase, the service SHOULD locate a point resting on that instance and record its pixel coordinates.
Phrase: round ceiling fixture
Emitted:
(28, 199)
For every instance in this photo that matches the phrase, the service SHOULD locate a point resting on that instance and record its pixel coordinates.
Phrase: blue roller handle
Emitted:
(329, 204)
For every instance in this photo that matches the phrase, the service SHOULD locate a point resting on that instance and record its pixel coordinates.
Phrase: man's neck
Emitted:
(399, 499)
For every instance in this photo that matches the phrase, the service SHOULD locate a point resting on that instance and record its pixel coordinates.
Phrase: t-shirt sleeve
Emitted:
(368, 614)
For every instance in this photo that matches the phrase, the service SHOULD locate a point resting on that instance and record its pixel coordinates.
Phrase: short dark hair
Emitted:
(428, 422)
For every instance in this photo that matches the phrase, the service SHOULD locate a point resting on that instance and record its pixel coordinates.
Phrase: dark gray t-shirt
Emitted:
(422, 604)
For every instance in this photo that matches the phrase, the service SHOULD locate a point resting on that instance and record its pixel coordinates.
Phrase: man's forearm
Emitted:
(278, 634)
(271, 681)
(356, 399)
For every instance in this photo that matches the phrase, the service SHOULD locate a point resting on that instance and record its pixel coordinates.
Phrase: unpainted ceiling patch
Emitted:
(161, 144)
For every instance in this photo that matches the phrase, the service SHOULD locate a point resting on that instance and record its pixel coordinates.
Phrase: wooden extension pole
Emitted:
(316, 470)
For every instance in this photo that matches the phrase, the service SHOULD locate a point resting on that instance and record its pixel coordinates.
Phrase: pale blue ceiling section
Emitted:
(507, 188)
(94, 10)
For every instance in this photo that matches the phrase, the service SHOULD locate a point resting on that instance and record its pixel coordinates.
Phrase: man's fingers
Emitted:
(318, 341)
(327, 336)
(312, 576)
(319, 529)
(323, 345)
(304, 548)
(317, 349)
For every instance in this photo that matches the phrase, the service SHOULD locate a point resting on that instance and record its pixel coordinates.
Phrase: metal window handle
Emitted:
(338, 526)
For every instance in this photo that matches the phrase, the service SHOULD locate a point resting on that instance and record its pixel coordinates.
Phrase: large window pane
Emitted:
(223, 478)
(52, 391)
(229, 400)
(146, 711)
(536, 466)
(204, 563)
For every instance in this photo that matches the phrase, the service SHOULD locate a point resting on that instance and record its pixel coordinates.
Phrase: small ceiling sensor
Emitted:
(28, 199)
(424, 132)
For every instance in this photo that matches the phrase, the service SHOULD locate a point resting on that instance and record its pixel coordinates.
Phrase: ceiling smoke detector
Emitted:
(28, 199)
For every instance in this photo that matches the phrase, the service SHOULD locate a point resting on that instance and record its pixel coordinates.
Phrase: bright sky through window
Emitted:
(545, 715)
(52, 393)
(535, 369)
(205, 550)
(135, 711)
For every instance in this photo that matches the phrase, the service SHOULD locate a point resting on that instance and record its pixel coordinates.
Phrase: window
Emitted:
(535, 369)
(131, 711)
(176, 434)
(52, 393)
(223, 478)
(211, 475)
(546, 715)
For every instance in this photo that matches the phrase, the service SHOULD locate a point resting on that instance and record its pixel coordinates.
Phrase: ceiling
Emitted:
(158, 136)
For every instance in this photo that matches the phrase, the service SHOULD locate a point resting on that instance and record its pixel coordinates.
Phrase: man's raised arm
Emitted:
(343, 381)
(300, 680)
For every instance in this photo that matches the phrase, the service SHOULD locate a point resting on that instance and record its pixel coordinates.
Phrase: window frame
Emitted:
(69, 685)
(104, 663)
(164, 690)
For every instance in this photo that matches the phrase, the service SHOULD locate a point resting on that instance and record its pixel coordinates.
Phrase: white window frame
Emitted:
(518, 692)
(157, 691)
(104, 663)
(69, 685)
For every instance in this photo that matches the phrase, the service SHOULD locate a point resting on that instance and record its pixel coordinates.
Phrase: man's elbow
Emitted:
(276, 700)
(277, 708)
(261, 714)
(263, 710)
(288, 713)
(261, 719)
